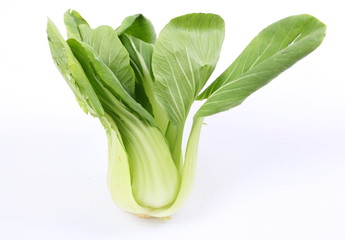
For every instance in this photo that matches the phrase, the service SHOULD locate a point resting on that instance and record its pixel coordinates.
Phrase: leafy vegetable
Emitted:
(142, 88)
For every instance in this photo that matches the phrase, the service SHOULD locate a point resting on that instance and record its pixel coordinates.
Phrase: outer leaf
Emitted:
(139, 27)
(73, 20)
(104, 81)
(274, 50)
(185, 55)
(73, 73)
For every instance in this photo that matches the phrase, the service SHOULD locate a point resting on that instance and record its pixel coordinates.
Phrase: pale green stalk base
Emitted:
(119, 176)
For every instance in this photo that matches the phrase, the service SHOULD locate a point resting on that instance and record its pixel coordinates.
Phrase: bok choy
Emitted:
(142, 88)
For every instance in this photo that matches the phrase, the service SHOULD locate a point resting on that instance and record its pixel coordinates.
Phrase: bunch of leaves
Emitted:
(142, 89)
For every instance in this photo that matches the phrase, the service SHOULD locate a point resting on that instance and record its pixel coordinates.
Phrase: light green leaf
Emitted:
(274, 50)
(104, 81)
(105, 42)
(185, 55)
(73, 73)
(139, 27)
(107, 45)
(73, 21)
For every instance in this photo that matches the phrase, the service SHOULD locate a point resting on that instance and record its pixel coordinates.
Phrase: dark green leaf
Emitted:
(139, 27)
(140, 54)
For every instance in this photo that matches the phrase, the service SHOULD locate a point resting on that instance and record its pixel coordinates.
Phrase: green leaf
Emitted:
(104, 81)
(73, 73)
(107, 45)
(140, 54)
(139, 27)
(73, 21)
(275, 49)
(185, 55)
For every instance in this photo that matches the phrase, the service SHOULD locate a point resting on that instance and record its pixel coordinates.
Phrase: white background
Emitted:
(273, 168)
